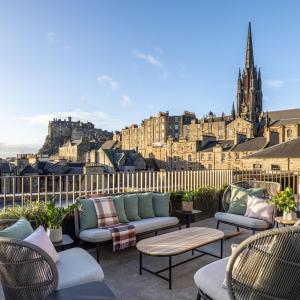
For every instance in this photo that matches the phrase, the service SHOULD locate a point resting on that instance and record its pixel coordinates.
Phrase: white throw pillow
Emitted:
(233, 248)
(259, 208)
(40, 238)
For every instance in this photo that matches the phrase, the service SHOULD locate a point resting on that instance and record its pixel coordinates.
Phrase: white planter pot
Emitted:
(289, 216)
(55, 235)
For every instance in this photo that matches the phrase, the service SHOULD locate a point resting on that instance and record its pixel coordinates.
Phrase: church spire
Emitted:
(249, 52)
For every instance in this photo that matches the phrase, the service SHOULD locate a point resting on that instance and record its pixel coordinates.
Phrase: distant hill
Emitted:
(61, 131)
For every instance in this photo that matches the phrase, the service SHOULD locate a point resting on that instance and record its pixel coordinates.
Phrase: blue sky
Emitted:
(117, 62)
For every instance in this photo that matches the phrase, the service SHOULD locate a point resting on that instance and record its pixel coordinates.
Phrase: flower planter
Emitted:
(289, 216)
(187, 205)
(55, 235)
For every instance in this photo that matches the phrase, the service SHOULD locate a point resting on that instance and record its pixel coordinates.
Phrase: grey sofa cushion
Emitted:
(209, 279)
(242, 220)
(76, 266)
(100, 235)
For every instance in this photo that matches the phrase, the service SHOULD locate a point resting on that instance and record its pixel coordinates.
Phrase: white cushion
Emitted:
(209, 279)
(40, 238)
(259, 209)
(100, 235)
(76, 266)
(242, 220)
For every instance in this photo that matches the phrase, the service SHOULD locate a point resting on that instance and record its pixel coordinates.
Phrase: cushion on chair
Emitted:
(145, 205)
(239, 197)
(161, 204)
(242, 221)
(40, 238)
(131, 207)
(19, 230)
(76, 266)
(120, 208)
(101, 235)
(87, 214)
(209, 279)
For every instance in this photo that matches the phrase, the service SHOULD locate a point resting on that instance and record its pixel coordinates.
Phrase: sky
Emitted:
(115, 63)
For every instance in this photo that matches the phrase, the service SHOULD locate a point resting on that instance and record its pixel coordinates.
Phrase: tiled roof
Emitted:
(290, 149)
(5, 167)
(285, 114)
(254, 144)
(109, 144)
(225, 144)
(286, 122)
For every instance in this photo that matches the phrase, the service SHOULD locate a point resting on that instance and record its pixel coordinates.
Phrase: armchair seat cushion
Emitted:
(209, 279)
(76, 266)
(101, 235)
(242, 221)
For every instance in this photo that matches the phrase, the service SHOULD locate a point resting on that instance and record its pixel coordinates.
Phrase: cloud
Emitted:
(148, 58)
(126, 100)
(106, 80)
(52, 38)
(274, 83)
(8, 150)
(100, 119)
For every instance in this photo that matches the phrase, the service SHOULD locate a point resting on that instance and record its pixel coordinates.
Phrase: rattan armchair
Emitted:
(266, 266)
(26, 271)
(271, 188)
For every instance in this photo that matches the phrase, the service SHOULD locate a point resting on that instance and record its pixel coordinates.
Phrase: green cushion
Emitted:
(131, 207)
(120, 208)
(145, 205)
(20, 230)
(239, 197)
(161, 204)
(87, 214)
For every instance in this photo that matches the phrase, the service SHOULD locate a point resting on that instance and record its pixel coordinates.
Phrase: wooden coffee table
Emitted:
(284, 222)
(178, 242)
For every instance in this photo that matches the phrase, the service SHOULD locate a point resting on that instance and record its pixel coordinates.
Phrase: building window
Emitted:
(275, 167)
(190, 157)
(289, 133)
(222, 156)
(209, 166)
(209, 156)
(257, 166)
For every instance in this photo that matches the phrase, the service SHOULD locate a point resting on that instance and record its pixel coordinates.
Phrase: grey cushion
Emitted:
(145, 205)
(19, 230)
(131, 207)
(120, 208)
(101, 235)
(161, 204)
(76, 266)
(242, 220)
(209, 279)
(87, 214)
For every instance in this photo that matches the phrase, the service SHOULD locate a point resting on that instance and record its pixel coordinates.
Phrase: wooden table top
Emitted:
(281, 220)
(179, 241)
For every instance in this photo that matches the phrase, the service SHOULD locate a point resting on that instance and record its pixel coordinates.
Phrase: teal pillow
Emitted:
(120, 208)
(239, 197)
(145, 205)
(131, 207)
(20, 230)
(87, 214)
(161, 204)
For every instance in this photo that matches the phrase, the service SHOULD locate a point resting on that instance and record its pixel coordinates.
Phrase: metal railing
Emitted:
(66, 188)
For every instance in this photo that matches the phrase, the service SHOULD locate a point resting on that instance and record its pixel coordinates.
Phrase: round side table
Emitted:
(282, 221)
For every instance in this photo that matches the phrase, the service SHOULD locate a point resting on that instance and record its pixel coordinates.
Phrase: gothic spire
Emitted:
(249, 52)
(233, 111)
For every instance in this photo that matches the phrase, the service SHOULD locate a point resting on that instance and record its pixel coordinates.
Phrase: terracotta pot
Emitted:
(55, 235)
(187, 206)
(289, 215)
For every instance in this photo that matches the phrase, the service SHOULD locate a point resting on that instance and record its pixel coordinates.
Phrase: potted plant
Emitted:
(285, 202)
(54, 217)
(187, 201)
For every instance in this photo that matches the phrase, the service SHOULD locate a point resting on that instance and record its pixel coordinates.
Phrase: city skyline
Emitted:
(126, 76)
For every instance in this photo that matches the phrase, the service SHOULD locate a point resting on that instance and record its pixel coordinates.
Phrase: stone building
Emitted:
(215, 142)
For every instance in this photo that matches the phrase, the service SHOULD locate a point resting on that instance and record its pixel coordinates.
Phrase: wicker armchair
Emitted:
(26, 271)
(265, 266)
(271, 188)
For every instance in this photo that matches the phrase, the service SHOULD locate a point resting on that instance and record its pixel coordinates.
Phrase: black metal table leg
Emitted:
(170, 272)
(221, 248)
(187, 221)
(141, 262)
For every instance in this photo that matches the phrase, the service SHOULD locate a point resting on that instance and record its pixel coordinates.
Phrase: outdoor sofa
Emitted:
(270, 189)
(145, 222)
(264, 266)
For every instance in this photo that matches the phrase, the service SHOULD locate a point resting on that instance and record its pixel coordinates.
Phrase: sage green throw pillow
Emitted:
(131, 207)
(239, 197)
(120, 208)
(161, 204)
(145, 205)
(20, 230)
(87, 214)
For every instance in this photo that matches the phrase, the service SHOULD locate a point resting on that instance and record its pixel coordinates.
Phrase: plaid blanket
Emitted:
(123, 235)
